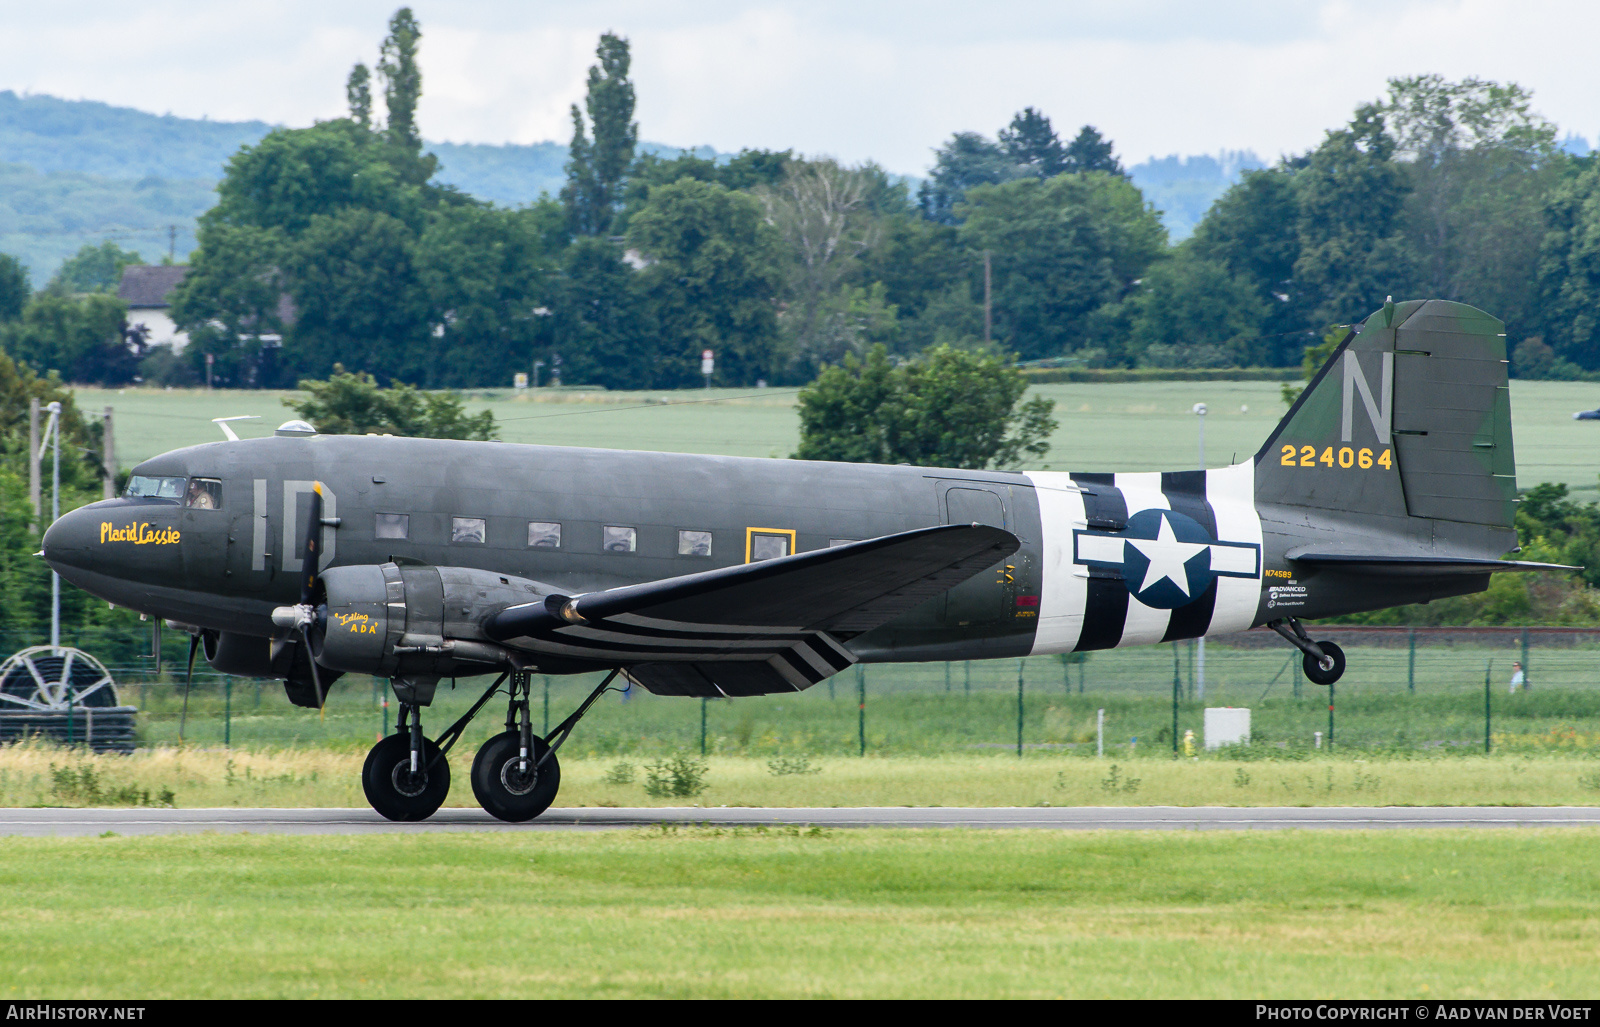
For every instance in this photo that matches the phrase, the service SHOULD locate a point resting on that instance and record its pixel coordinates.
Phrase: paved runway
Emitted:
(68, 822)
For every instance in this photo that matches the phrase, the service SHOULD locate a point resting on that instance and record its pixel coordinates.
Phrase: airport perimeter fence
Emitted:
(1422, 691)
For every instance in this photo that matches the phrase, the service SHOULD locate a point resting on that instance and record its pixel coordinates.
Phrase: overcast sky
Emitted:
(864, 79)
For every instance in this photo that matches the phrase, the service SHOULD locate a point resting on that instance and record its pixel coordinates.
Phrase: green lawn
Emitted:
(709, 913)
(1141, 426)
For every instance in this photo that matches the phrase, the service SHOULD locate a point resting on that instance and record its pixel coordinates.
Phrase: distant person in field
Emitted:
(1519, 681)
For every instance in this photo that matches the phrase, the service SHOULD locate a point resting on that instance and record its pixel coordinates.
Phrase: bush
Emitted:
(680, 777)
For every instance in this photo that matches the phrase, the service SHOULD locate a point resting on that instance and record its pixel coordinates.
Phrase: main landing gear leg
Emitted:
(1323, 661)
(516, 775)
(405, 776)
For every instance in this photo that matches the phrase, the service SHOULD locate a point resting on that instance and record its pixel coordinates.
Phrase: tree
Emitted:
(358, 95)
(1089, 151)
(951, 408)
(484, 271)
(927, 276)
(354, 404)
(1032, 145)
(14, 287)
(354, 281)
(1060, 248)
(402, 80)
(1190, 312)
(83, 338)
(597, 166)
(604, 331)
(294, 175)
(1480, 165)
(1351, 196)
(820, 213)
(967, 160)
(711, 281)
(1569, 267)
(231, 301)
(93, 269)
(1252, 231)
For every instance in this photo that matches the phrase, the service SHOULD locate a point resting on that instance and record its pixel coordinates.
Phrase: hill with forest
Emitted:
(82, 171)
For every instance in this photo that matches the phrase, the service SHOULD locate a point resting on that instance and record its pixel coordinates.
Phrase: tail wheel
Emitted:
(397, 792)
(1315, 670)
(510, 787)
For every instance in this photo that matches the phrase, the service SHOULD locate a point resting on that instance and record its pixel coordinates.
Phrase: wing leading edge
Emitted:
(773, 626)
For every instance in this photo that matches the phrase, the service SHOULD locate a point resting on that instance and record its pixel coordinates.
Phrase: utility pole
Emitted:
(988, 298)
(33, 461)
(108, 458)
(172, 244)
(52, 431)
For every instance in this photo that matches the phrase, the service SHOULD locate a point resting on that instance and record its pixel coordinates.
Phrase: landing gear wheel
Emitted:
(508, 789)
(1314, 670)
(394, 791)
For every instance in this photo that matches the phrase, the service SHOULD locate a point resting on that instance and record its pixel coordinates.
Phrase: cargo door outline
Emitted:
(986, 597)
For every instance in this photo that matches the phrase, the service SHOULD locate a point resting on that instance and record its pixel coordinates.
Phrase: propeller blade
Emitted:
(188, 681)
(316, 679)
(313, 546)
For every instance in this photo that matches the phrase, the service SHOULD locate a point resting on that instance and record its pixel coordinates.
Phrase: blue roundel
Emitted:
(1166, 558)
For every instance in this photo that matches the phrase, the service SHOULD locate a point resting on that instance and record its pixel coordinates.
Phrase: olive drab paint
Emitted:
(1390, 480)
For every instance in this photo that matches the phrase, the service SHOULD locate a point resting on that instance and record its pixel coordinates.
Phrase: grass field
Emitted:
(1146, 426)
(204, 777)
(719, 913)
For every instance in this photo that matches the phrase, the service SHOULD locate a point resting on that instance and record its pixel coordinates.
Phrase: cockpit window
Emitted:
(203, 494)
(141, 487)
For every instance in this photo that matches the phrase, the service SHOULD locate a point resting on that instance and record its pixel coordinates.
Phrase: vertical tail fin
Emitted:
(1410, 420)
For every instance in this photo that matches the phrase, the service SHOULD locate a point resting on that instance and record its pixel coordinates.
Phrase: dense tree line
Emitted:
(334, 244)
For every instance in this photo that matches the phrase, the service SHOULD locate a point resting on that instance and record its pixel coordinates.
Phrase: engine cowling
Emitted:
(412, 621)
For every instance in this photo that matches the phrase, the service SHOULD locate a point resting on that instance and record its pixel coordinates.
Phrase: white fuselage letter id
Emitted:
(258, 527)
(291, 524)
(1381, 411)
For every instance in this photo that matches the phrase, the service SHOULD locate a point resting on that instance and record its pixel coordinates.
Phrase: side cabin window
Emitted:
(468, 529)
(694, 543)
(203, 494)
(768, 544)
(618, 539)
(392, 525)
(544, 534)
(143, 487)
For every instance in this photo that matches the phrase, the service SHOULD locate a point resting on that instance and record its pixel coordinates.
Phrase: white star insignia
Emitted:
(1167, 556)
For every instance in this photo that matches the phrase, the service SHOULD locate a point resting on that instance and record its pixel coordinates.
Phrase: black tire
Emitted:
(1314, 670)
(505, 792)
(384, 779)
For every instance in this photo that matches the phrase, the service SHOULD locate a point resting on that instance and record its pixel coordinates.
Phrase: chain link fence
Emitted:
(1424, 690)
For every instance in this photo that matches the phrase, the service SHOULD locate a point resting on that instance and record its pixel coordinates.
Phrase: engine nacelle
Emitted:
(413, 622)
(246, 655)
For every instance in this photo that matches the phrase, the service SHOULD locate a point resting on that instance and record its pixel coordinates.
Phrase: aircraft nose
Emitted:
(68, 541)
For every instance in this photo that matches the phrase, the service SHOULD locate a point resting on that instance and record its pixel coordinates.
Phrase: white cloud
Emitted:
(887, 81)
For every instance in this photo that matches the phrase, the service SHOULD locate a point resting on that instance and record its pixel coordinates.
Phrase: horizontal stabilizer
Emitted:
(1413, 564)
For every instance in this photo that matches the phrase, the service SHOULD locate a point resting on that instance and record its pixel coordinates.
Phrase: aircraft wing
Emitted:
(1415, 564)
(758, 627)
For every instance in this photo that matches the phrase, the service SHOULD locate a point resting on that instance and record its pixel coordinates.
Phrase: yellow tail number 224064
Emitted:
(1345, 458)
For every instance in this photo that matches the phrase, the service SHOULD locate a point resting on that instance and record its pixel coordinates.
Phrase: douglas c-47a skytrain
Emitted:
(305, 556)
